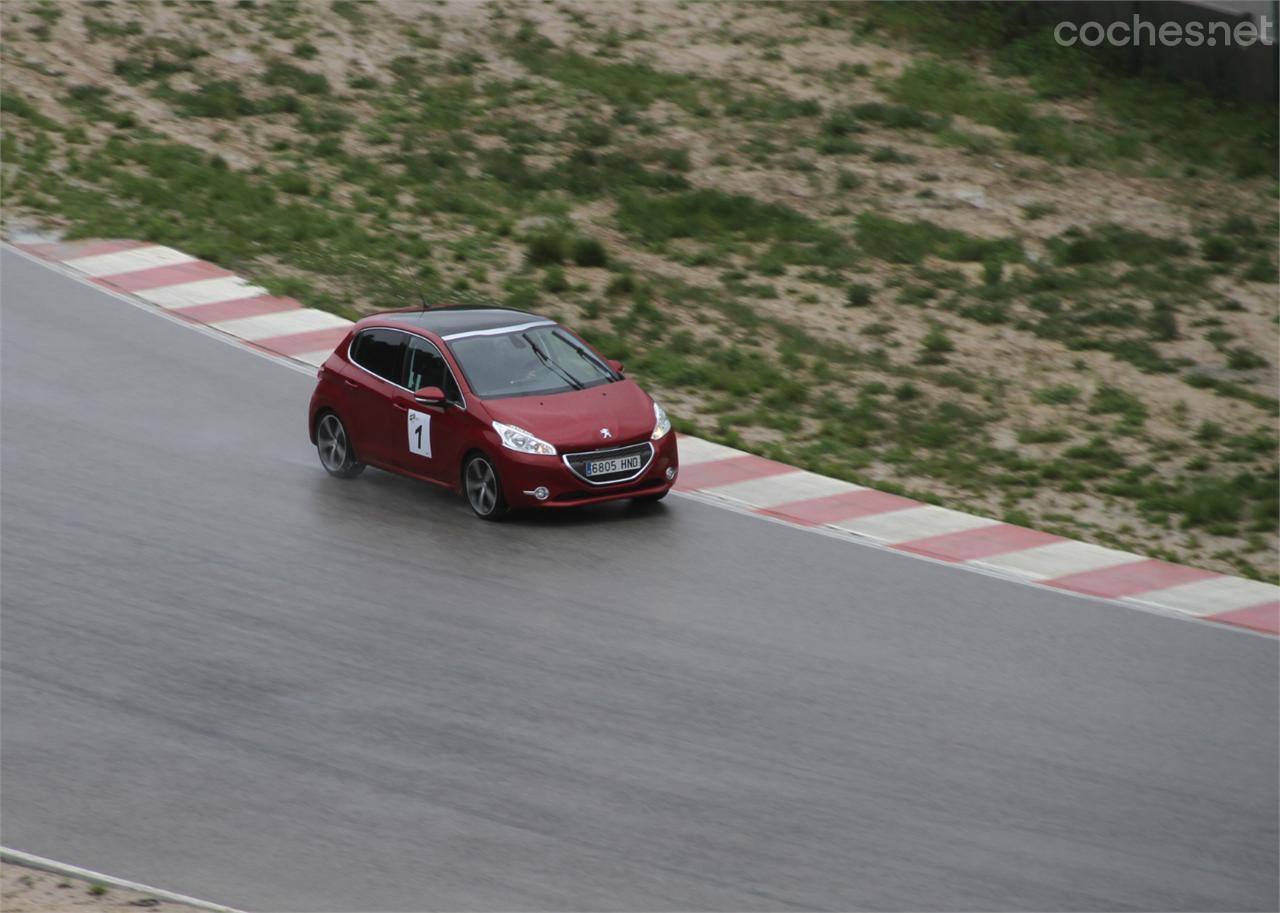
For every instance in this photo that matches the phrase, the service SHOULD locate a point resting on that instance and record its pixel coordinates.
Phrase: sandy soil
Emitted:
(28, 890)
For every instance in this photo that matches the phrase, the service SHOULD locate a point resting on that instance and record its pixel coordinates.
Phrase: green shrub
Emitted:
(1219, 249)
(622, 284)
(1209, 432)
(1243, 360)
(1033, 211)
(935, 345)
(859, 295)
(593, 133)
(554, 280)
(545, 248)
(910, 242)
(890, 155)
(1260, 269)
(294, 182)
(1108, 399)
(848, 180)
(299, 80)
(898, 116)
(1097, 452)
(712, 215)
(1058, 395)
(589, 252)
(1042, 435)
(1211, 501)
(1113, 242)
(1163, 322)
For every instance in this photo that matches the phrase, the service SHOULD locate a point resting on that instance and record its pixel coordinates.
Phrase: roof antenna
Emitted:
(422, 298)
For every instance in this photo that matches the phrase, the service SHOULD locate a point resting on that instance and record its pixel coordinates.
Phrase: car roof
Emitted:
(463, 318)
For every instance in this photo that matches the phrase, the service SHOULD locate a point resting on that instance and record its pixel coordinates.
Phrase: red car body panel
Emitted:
(600, 417)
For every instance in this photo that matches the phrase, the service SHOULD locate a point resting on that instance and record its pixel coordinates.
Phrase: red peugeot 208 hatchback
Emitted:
(507, 407)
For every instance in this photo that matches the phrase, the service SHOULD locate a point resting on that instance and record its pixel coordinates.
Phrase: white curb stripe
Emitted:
(314, 358)
(1211, 596)
(695, 450)
(1058, 559)
(282, 323)
(203, 291)
(913, 523)
(61, 868)
(771, 491)
(129, 261)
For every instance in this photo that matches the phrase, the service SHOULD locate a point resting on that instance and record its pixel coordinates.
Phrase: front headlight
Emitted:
(661, 424)
(514, 438)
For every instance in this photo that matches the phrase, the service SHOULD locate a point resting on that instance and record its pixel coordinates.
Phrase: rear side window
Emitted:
(380, 352)
(424, 367)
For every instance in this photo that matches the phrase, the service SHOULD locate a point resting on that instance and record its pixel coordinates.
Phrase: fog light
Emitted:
(541, 493)
(671, 473)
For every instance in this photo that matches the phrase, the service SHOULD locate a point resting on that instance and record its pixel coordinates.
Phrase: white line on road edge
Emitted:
(61, 868)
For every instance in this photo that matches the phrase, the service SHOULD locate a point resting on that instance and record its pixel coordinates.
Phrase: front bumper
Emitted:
(524, 473)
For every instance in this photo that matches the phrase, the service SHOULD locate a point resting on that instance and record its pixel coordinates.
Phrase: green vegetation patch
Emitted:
(910, 242)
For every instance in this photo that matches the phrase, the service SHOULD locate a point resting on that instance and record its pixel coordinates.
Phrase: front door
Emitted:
(429, 435)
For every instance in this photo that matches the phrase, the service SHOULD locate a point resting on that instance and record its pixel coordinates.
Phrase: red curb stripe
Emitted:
(983, 542)
(724, 472)
(1128, 579)
(239, 307)
(1264, 618)
(848, 505)
(73, 250)
(298, 343)
(159, 276)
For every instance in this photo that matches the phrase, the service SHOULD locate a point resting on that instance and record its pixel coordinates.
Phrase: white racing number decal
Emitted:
(420, 433)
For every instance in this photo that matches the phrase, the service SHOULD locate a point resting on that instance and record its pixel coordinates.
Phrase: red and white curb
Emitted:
(206, 294)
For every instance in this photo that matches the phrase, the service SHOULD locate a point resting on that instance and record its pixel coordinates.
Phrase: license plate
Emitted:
(616, 464)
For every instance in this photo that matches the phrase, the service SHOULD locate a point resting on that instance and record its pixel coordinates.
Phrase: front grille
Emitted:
(577, 463)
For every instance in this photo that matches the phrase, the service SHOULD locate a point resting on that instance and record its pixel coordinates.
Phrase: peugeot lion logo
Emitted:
(606, 433)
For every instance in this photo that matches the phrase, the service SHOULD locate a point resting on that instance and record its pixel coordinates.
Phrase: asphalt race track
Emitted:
(226, 674)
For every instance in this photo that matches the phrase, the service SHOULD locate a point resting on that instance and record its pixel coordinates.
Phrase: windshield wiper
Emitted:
(588, 357)
(542, 356)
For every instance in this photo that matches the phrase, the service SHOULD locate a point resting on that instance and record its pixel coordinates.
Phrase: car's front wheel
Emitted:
(483, 488)
(337, 456)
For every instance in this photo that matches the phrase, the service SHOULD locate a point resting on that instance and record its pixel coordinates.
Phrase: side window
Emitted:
(424, 367)
(451, 391)
(380, 351)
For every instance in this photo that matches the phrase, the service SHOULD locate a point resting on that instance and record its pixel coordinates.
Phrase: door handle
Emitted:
(350, 384)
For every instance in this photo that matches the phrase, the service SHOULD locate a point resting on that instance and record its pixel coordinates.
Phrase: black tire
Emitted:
(333, 445)
(650, 499)
(482, 487)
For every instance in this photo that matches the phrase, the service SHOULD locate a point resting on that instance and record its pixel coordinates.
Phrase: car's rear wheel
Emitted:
(333, 444)
(483, 488)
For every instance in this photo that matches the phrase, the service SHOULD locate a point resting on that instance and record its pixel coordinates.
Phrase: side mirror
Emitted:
(430, 396)
(615, 364)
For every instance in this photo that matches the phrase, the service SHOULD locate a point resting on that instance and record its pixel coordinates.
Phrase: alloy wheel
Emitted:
(331, 442)
(482, 486)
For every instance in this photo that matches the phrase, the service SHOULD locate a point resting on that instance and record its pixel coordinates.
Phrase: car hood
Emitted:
(573, 420)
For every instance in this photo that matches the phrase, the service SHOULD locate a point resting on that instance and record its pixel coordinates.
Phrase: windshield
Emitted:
(544, 359)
